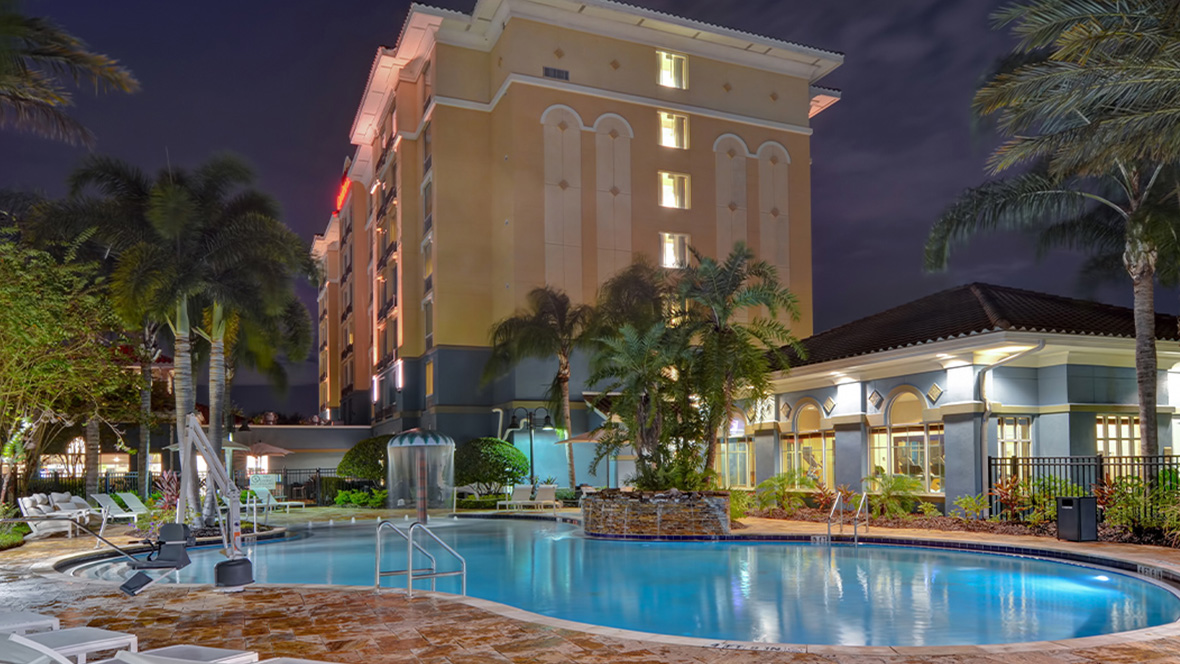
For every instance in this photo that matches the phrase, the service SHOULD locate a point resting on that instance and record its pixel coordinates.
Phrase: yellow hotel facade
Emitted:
(538, 142)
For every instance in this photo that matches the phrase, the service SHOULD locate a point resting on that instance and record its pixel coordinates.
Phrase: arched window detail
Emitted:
(612, 193)
(908, 445)
(808, 451)
(563, 199)
(730, 159)
(774, 239)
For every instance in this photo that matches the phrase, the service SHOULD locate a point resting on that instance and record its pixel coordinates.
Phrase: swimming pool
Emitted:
(748, 591)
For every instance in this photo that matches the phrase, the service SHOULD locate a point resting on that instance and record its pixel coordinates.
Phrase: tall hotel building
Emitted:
(539, 142)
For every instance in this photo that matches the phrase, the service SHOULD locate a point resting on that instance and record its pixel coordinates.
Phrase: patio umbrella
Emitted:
(227, 446)
(266, 449)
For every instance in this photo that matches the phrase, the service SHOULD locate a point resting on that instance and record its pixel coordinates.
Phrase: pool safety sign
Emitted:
(264, 480)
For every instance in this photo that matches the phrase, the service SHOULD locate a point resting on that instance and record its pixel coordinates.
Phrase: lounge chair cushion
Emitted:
(16, 649)
(40, 499)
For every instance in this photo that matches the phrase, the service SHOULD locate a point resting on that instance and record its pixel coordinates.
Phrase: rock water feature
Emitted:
(656, 513)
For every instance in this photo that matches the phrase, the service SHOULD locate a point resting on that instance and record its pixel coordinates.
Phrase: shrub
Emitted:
(481, 503)
(739, 504)
(369, 498)
(971, 507)
(784, 490)
(896, 494)
(365, 460)
(929, 509)
(490, 464)
(825, 496)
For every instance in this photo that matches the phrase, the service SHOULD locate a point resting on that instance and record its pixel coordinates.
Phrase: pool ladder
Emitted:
(410, 573)
(861, 512)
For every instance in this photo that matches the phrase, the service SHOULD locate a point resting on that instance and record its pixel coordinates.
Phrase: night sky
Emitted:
(279, 82)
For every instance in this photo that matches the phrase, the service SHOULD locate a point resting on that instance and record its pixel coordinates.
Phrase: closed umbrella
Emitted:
(266, 449)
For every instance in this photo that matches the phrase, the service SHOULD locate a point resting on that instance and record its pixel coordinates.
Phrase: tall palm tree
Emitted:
(734, 359)
(35, 55)
(551, 326)
(1089, 84)
(1130, 209)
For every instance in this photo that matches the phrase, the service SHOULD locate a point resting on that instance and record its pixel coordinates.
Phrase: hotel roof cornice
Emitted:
(481, 29)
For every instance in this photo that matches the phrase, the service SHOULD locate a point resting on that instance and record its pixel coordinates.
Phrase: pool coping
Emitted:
(1169, 579)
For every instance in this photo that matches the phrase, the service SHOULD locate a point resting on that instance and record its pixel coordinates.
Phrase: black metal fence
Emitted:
(317, 486)
(1132, 489)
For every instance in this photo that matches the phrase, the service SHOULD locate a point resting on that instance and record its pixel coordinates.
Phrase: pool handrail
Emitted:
(838, 504)
(864, 501)
(401, 533)
(461, 572)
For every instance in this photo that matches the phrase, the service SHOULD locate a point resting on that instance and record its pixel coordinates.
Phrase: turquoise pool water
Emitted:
(748, 591)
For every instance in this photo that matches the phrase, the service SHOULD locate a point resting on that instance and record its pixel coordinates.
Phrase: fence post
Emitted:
(319, 488)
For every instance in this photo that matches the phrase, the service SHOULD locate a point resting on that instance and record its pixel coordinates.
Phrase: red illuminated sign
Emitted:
(345, 186)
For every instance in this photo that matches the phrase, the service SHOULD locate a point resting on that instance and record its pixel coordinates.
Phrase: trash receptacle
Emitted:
(1077, 518)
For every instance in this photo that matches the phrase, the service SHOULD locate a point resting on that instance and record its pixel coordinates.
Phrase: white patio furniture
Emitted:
(184, 653)
(267, 500)
(47, 519)
(133, 503)
(292, 660)
(520, 497)
(17, 649)
(112, 511)
(67, 501)
(78, 642)
(19, 622)
(546, 497)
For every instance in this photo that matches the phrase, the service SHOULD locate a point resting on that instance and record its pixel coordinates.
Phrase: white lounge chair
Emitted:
(67, 501)
(81, 641)
(16, 649)
(520, 497)
(112, 510)
(133, 503)
(267, 500)
(19, 622)
(186, 654)
(546, 497)
(53, 521)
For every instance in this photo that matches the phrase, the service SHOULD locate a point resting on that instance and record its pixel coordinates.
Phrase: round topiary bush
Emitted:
(365, 460)
(489, 464)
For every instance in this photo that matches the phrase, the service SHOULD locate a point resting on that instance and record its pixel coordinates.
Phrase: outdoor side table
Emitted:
(19, 622)
(81, 641)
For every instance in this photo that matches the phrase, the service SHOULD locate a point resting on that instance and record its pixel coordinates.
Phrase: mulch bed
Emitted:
(1105, 533)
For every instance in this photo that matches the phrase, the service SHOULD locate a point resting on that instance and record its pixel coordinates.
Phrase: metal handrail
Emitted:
(864, 501)
(838, 504)
(399, 572)
(461, 572)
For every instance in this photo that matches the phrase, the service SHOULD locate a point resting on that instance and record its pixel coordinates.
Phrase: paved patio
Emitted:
(361, 625)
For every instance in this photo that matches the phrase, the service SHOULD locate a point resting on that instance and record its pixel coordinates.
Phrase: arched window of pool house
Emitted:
(907, 445)
(807, 451)
(734, 463)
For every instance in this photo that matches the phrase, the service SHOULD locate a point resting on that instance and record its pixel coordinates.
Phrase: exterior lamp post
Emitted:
(530, 421)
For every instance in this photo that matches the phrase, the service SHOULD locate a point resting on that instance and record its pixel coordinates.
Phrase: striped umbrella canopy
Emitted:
(420, 438)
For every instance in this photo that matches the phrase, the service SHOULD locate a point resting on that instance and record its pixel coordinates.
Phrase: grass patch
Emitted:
(13, 536)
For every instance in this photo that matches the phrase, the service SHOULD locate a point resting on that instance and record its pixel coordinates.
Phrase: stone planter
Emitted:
(614, 513)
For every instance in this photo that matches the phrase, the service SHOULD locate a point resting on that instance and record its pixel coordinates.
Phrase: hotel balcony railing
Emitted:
(346, 274)
(345, 391)
(429, 284)
(428, 223)
(384, 362)
(429, 341)
(347, 311)
(386, 308)
(426, 163)
(323, 376)
(346, 234)
(384, 412)
(385, 152)
(388, 253)
(323, 344)
(323, 313)
(346, 352)
(389, 197)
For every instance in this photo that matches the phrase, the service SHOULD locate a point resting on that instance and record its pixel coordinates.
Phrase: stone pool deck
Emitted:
(360, 625)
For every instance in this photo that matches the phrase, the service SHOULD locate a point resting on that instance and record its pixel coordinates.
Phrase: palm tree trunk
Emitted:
(145, 422)
(93, 449)
(186, 402)
(216, 401)
(1146, 373)
(564, 380)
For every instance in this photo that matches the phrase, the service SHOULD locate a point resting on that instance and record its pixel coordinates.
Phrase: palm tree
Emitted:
(1131, 209)
(1089, 84)
(35, 55)
(551, 326)
(733, 360)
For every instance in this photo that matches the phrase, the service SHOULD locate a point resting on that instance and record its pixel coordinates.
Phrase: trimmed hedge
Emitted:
(366, 459)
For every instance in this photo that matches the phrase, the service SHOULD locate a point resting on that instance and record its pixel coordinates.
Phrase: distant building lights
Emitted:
(398, 375)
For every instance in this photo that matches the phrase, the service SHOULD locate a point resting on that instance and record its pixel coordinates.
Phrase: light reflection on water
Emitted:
(771, 592)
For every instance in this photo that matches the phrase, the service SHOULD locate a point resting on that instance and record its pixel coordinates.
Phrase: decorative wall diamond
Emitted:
(784, 412)
(559, 53)
(733, 207)
(564, 185)
(727, 87)
(829, 405)
(613, 133)
(934, 392)
(562, 125)
(614, 191)
(876, 399)
(774, 96)
(774, 212)
(614, 64)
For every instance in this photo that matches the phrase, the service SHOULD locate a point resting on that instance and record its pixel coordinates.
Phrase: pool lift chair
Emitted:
(228, 575)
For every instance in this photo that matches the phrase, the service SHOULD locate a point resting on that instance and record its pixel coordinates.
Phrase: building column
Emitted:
(851, 453)
(965, 461)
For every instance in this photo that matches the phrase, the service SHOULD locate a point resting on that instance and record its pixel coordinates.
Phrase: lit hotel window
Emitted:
(673, 250)
(673, 70)
(674, 190)
(673, 130)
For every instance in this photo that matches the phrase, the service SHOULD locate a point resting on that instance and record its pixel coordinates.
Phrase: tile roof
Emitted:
(975, 309)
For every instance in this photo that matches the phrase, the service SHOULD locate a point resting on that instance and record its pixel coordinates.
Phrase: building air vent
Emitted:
(559, 74)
